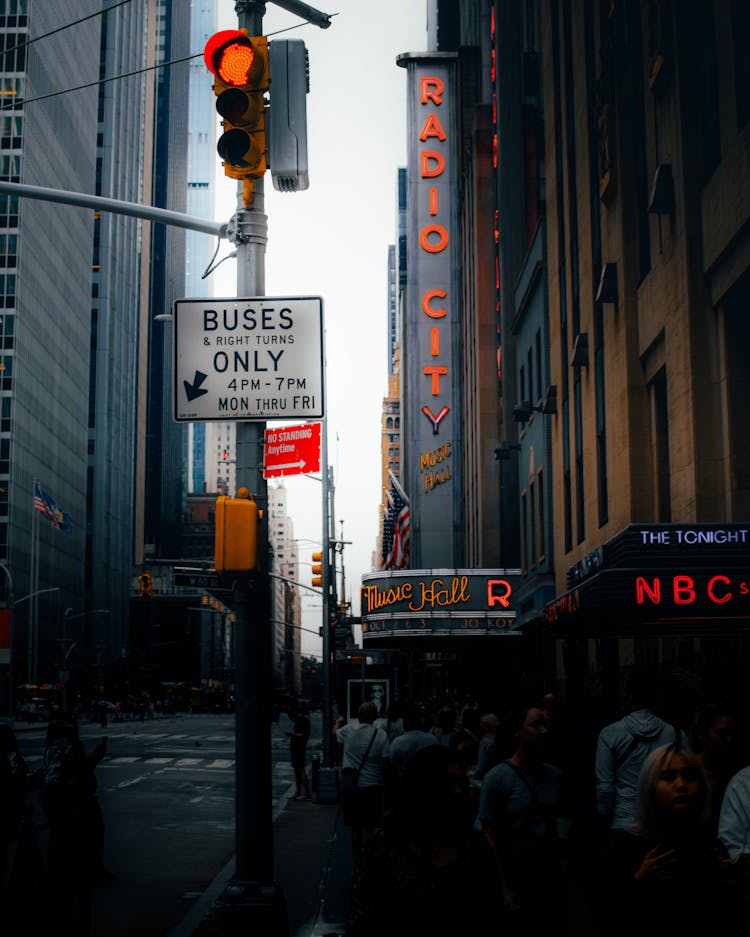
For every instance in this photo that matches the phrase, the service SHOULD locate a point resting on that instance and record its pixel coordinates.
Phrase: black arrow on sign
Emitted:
(195, 390)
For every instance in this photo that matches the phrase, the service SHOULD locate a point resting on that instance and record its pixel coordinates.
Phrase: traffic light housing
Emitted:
(240, 65)
(237, 530)
(287, 115)
(317, 569)
(146, 584)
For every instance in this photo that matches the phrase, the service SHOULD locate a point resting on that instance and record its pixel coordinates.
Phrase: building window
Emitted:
(660, 446)
(532, 525)
(540, 538)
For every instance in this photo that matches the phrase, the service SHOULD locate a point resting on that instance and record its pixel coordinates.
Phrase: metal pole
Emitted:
(328, 715)
(252, 892)
(9, 605)
(332, 600)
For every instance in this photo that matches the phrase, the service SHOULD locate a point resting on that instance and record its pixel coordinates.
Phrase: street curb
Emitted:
(201, 908)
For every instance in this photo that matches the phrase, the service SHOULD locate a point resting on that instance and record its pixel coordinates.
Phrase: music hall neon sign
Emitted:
(408, 594)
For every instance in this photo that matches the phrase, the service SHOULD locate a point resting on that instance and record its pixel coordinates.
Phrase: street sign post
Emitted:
(248, 359)
(291, 450)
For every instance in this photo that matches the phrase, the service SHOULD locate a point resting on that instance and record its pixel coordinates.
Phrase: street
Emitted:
(166, 787)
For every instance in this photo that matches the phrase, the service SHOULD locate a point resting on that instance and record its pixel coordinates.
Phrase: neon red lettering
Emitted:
(432, 90)
(644, 591)
(683, 589)
(711, 593)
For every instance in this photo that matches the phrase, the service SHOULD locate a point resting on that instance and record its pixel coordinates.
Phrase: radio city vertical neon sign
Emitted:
(433, 239)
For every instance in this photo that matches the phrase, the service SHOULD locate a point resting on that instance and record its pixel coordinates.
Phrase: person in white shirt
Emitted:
(366, 749)
(734, 817)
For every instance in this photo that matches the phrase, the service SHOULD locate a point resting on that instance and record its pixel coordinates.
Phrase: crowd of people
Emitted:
(480, 819)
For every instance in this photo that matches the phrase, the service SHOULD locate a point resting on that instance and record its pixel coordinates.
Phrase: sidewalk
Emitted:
(313, 866)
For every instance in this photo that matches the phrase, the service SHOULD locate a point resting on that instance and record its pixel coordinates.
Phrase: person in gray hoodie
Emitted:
(623, 746)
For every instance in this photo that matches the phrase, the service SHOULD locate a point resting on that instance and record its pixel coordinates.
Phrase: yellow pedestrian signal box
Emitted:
(317, 569)
(237, 530)
(146, 584)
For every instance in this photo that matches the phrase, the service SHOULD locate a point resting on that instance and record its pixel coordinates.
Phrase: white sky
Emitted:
(332, 241)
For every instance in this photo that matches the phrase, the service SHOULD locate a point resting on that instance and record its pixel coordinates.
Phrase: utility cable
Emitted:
(139, 71)
(28, 42)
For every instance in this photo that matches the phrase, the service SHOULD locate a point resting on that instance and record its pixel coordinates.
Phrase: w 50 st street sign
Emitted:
(257, 358)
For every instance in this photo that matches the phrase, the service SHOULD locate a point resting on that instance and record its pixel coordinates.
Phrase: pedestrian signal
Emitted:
(237, 531)
(317, 569)
(146, 584)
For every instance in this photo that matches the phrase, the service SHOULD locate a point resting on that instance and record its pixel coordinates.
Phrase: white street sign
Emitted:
(255, 358)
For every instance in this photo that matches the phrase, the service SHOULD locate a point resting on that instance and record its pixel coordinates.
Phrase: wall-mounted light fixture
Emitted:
(607, 291)
(503, 451)
(661, 197)
(547, 405)
(522, 411)
(579, 357)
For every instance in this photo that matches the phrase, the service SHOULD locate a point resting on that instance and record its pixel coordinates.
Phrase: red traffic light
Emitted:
(231, 55)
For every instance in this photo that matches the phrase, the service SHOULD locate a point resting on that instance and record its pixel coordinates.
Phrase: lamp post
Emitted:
(67, 644)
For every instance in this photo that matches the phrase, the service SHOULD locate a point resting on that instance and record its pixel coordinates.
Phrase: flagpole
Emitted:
(36, 605)
(32, 581)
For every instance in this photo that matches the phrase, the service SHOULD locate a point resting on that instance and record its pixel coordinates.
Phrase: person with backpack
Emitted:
(365, 753)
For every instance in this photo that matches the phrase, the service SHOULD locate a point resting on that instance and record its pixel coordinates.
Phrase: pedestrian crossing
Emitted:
(168, 762)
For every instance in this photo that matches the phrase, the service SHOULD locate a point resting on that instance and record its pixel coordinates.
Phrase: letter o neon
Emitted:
(433, 229)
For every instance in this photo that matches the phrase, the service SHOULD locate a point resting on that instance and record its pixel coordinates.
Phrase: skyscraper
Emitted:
(84, 110)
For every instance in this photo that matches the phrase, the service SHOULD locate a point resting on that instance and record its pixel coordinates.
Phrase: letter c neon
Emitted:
(427, 308)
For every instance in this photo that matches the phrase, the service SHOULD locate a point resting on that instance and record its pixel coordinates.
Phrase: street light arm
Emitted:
(97, 202)
(94, 611)
(306, 12)
(295, 583)
(31, 595)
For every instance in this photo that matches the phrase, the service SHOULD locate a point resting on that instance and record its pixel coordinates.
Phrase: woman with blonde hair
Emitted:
(667, 873)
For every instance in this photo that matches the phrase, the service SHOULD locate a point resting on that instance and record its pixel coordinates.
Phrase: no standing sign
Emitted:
(258, 358)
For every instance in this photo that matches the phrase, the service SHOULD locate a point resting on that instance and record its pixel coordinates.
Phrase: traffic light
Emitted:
(240, 66)
(146, 584)
(236, 538)
(317, 569)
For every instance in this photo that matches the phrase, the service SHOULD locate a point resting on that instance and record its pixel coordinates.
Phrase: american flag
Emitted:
(396, 528)
(47, 506)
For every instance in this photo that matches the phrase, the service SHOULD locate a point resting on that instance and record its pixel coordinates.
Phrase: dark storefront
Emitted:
(674, 596)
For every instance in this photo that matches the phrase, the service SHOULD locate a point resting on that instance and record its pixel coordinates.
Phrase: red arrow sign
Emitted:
(291, 450)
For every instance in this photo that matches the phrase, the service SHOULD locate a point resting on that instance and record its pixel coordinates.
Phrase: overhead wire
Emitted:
(138, 71)
(28, 42)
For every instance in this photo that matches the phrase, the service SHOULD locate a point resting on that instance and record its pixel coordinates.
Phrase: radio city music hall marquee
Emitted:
(438, 602)
(430, 371)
